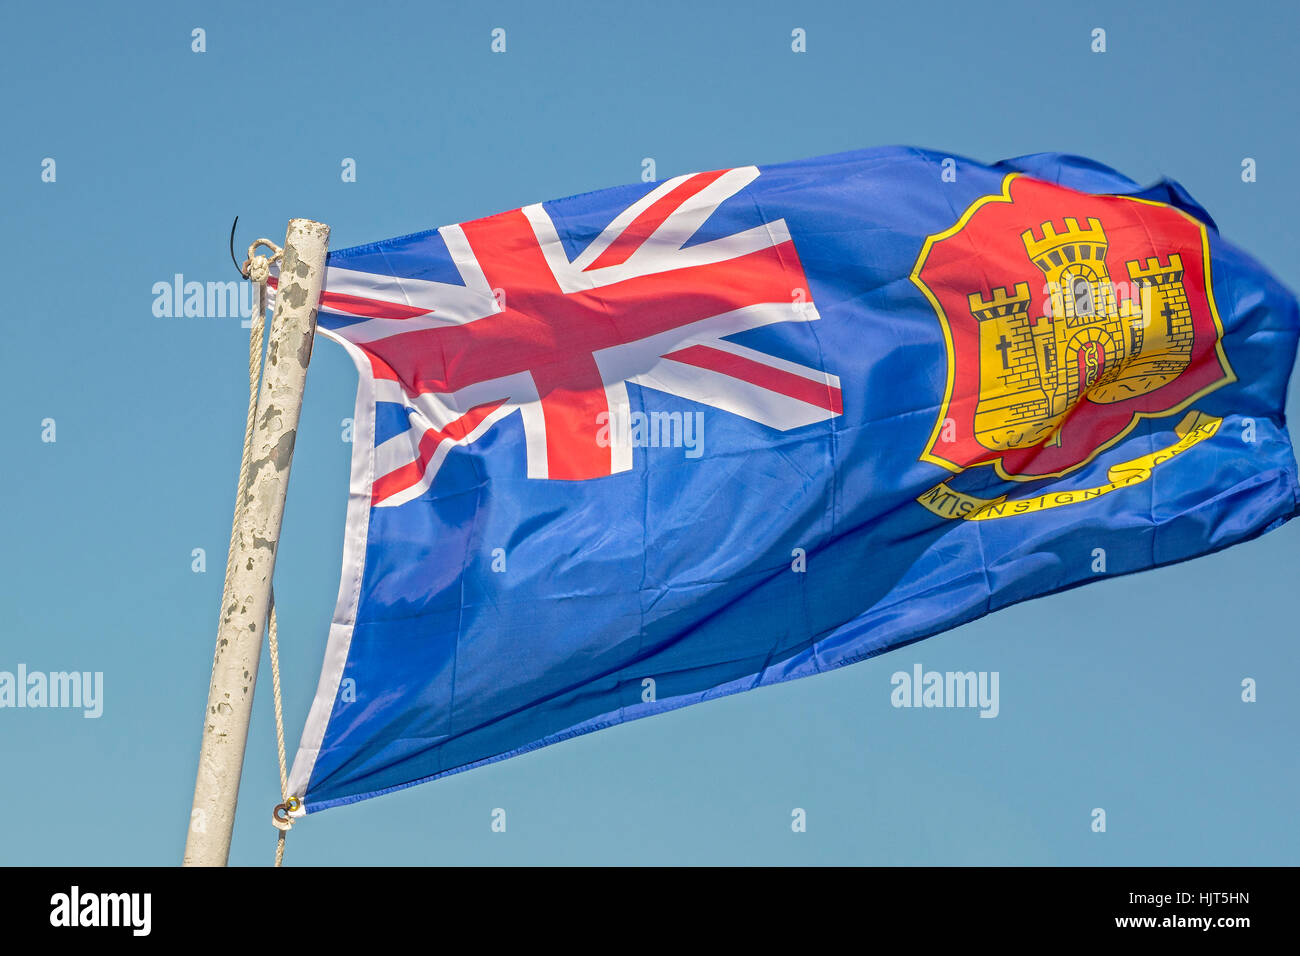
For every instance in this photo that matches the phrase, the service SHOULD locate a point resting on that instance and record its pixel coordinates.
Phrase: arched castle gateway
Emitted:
(1032, 370)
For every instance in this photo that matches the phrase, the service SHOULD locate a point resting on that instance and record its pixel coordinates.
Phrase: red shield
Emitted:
(1067, 317)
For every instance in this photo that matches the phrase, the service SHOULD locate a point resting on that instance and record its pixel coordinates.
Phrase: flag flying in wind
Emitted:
(647, 446)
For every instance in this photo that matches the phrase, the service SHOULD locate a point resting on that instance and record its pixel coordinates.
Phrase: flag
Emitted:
(652, 445)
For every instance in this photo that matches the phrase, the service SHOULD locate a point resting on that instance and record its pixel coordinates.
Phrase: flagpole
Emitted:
(243, 620)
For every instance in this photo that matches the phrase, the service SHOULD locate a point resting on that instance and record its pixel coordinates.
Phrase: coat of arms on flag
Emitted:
(1052, 358)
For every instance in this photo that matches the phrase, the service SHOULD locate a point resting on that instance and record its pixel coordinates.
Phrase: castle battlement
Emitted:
(1153, 272)
(1093, 338)
(1055, 249)
(1002, 303)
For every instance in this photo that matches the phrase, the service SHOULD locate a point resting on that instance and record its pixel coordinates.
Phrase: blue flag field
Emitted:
(648, 446)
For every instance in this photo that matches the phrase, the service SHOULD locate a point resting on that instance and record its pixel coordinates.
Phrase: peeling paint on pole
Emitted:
(243, 619)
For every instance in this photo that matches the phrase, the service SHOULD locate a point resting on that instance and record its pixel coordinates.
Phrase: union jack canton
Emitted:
(556, 337)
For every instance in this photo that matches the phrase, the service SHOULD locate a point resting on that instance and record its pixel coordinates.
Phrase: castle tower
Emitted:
(1085, 345)
(1013, 409)
(1065, 258)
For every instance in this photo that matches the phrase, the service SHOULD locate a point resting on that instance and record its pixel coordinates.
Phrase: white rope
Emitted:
(279, 727)
(258, 270)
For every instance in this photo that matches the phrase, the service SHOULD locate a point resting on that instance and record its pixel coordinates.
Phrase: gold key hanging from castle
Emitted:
(1089, 342)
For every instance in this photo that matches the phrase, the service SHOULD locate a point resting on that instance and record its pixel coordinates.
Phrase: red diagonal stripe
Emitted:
(402, 478)
(370, 308)
(359, 305)
(776, 380)
(643, 226)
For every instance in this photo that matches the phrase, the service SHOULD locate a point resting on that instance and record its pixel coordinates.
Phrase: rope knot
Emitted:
(258, 268)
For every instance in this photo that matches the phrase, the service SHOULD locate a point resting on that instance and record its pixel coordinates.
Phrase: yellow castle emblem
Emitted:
(1033, 370)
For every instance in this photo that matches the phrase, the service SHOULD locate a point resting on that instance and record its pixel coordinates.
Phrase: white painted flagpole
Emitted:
(243, 620)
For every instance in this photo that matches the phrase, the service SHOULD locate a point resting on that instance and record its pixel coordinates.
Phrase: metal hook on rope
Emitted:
(282, 815)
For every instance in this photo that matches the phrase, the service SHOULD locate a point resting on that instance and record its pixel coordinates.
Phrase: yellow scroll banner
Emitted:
(1194, 428)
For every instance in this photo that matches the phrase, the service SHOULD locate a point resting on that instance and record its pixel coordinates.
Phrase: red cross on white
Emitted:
(558, 340)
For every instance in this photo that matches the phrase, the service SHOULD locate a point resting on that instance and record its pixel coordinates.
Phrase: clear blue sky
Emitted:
(1123, 695)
